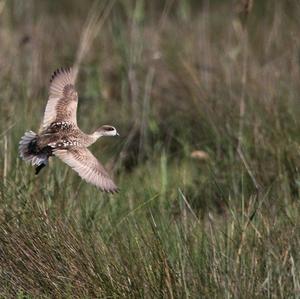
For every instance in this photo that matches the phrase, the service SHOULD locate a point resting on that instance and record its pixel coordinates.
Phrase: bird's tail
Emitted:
(29, 152)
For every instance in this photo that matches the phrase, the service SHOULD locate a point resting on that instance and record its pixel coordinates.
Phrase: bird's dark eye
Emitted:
(109, 129)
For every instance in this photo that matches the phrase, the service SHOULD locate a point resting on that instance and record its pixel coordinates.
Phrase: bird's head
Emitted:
(107, 131)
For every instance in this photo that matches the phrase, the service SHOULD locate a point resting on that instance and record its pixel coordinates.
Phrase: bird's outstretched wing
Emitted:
(87, 166)
(63, 99)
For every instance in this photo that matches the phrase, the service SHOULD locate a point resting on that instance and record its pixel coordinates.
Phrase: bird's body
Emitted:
(64, 134)
(60, 136)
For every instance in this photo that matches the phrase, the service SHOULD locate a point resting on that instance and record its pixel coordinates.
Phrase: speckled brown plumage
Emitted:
(60, 136)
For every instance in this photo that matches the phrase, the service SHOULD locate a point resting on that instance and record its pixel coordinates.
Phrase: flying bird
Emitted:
(60, 136)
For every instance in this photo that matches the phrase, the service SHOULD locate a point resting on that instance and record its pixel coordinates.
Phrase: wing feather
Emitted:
(62, 100)
(87, 166)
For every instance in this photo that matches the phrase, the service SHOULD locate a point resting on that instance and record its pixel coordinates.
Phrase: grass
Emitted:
(174, 78)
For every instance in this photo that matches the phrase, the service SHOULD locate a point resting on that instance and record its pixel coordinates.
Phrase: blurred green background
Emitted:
(205, 95)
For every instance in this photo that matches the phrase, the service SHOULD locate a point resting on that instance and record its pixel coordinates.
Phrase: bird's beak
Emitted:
(118, 134)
